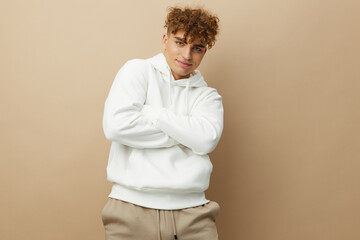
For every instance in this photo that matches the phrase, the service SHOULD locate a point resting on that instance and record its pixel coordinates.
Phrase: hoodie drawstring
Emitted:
(170, 74)
(187, 89)
(187, 96)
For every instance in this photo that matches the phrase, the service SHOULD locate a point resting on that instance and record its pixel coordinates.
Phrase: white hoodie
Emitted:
(161, 131)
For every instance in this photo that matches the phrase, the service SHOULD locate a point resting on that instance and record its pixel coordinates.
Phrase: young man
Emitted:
(163, 120)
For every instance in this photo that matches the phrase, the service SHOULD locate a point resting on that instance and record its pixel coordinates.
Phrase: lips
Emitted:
(184, 64)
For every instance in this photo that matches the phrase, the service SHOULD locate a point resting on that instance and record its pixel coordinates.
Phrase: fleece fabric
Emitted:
(162, 131)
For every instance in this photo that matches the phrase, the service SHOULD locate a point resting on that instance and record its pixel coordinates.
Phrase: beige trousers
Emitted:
(126, 221)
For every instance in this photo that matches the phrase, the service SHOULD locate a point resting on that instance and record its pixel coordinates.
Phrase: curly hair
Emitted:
(196, 22)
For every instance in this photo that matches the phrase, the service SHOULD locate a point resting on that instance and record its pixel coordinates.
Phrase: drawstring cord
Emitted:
(158, 222)
(170, 74)
(186, 90)
(186, 97)
(173, 224)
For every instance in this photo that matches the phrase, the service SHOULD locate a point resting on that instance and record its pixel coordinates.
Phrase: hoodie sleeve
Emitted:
(123, 121)
(201, 131)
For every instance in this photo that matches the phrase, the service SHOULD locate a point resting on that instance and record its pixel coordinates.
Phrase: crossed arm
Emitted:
(128, 121)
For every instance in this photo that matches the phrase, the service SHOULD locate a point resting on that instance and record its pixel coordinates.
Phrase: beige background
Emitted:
(287, 166)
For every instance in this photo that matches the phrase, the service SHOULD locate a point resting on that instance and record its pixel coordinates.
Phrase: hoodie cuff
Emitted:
(152, 112)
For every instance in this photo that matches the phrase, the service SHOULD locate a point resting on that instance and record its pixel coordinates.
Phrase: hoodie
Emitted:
(162, 131)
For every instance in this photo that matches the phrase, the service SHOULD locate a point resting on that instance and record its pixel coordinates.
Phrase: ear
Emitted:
(165, 39)
(205, 50)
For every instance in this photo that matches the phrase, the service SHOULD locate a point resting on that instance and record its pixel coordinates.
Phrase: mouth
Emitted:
(184, 64)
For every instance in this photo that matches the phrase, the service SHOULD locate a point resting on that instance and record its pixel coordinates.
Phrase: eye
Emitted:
(198, 49)
(179, 43)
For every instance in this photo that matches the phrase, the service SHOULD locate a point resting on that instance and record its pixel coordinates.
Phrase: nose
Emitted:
(187, 53)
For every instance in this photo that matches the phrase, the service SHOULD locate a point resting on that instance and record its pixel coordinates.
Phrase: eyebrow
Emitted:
(181, 39)
(199, 45)
(196, 45)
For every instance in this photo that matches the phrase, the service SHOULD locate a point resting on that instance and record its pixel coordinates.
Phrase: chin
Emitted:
(185, 75)
(182, 73)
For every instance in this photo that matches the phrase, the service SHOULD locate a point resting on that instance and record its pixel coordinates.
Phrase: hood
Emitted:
(195, 80)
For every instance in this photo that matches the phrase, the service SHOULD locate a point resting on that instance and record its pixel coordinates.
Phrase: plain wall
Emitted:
(287, 166)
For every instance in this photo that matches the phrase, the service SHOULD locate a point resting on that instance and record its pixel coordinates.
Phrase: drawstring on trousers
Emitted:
(172, 221)
(158, 222)
(173, 224)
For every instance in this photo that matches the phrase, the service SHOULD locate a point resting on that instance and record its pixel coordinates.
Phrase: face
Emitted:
(182, 56)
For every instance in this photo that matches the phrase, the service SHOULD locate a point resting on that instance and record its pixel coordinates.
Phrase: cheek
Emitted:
(200, 57)
(174, 50)
(197, 61)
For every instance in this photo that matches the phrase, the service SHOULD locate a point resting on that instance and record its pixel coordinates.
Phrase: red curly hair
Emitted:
(196, 22)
